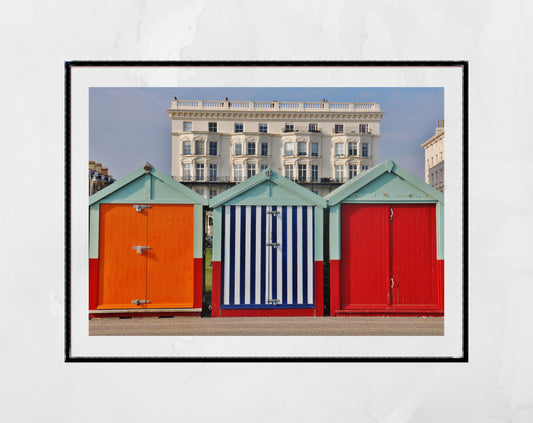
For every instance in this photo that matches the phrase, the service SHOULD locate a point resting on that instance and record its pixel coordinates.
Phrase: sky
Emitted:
(130, 126)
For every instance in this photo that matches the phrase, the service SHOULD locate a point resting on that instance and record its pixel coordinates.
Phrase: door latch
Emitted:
(140, 248)
(274, 301)
(140, 207)
(274, 213)
(138, 302)
(273, 244)
(391, 213)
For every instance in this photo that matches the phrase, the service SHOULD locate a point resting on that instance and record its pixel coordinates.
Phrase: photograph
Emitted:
(256, 211)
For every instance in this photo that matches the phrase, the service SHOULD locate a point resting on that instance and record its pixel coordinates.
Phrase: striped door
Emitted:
(267, 257)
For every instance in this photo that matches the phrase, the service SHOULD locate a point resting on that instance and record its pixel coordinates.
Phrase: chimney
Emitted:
(98, 167)
(104, 170)
(91, 164)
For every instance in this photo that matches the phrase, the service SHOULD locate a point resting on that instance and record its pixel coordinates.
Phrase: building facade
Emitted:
(99, 177)
(434, 158)
(217, 144)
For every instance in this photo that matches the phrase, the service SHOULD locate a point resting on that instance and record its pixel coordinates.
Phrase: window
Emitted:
(289, 127)
(339, 149)
(289, 171)
(364, 167)
(314, 191)
(199, 191)
(199, 148)
(251, 170)
(313, 127)
(212, 193)
(289, 149)
(302, 148)
(237, 172)
(263, 128)
(363, 128)
(339, 128)
(212, 126)
(314, 149)
(238, 149)
(213, 172)
(302, 172)
(213, 148)
(263, 167)
(187, 126)
(264, 149)
(364, 149)
(353, 171)
(314, 173)
(238, 127)
(339, 173)
(186, 171)
(352, 149)
(200, 175)
(251, 148)
(187, 148)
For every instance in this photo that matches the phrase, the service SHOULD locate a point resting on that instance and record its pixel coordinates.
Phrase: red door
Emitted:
(388, 261)
(413, 246)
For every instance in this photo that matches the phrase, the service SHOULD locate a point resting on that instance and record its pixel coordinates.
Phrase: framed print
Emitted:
(266, 211)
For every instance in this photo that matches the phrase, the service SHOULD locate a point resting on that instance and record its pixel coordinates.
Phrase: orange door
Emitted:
(122, 271)
(157, 274)
(170, 260)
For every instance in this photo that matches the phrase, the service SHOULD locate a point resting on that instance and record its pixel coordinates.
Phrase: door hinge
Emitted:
(139, 207)
(140, 248)
(138, 302)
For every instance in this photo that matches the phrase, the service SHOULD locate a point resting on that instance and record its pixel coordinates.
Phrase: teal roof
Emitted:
(268, 188)
(147, 184)
(385, 182)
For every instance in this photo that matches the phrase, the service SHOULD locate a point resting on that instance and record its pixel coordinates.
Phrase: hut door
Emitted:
(146, 256)
(267, 256)
(388, 257)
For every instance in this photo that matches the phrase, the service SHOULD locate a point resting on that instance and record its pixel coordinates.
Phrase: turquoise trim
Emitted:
(267, 188)
(94, 230)
(319, 234)
(335, 232)
(440, 231)
(153, 186)
(198, 231)
(385, 178)
(217, 234)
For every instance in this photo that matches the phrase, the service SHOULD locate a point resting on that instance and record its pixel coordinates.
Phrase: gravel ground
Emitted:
(270, 326)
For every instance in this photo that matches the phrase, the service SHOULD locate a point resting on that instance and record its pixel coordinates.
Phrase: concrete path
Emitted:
(270, 326)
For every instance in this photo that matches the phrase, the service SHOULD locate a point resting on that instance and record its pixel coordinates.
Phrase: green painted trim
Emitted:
(198, 231)
(355, 184)
(217, 234)
(335, 232)
(188, 194)
(94, 230)
(141, 201)
(319, 234)
(148, 187)
(440, 231)
(308, 197)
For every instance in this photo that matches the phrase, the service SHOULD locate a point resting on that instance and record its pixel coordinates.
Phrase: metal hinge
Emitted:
(274, 301)
(274, 212)
(138, 302)
(273, 244)
(139, 207)
(140, 248)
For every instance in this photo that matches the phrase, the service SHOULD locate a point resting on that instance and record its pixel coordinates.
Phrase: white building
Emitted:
(434, 158)
(216, 144)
